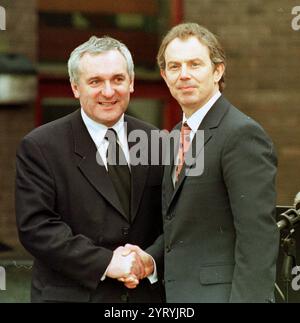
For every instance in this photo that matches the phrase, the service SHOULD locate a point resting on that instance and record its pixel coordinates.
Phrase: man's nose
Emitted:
(184, 73)
(108, 90)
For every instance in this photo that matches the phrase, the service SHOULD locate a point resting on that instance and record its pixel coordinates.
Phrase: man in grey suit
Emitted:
(220, 240)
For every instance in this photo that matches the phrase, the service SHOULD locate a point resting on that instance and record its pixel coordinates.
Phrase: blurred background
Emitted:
(261, 39)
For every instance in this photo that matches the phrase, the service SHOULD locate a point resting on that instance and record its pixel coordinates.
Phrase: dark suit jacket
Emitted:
(70, 219)
(220, 239)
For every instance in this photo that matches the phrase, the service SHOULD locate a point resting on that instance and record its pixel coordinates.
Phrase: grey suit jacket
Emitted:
(220, 240)
(70, 218)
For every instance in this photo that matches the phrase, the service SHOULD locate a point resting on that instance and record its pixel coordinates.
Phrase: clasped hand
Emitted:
(129, 265)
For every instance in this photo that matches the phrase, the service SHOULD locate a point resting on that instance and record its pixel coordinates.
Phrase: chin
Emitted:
(111, 121)
(188, 104)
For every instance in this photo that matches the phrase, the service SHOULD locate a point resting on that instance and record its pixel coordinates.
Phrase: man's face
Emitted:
(190, 74)
(103, 86)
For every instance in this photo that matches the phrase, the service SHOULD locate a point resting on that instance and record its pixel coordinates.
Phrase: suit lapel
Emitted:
(88, 165)
(186, 169)
(210, 122)
(168, 186)
(139, 173)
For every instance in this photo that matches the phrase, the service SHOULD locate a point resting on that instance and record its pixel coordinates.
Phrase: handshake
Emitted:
(129, 265)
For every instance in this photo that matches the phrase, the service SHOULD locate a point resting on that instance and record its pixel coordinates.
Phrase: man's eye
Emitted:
(194, 65)
(119, 79)
(173, 67)
(94, 82)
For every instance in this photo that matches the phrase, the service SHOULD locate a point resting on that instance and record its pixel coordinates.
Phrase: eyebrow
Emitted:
(120, 74)
(113, 76)
(189, 60)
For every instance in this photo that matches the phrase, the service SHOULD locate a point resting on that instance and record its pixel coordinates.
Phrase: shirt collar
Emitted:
(195, 119)
(98, 131)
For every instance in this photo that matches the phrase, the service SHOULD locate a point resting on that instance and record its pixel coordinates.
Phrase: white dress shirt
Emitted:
(98, 131)
(194, 122)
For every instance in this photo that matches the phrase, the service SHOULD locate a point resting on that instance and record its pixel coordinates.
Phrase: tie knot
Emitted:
(111, 135)
(185, 129)
(114, 154)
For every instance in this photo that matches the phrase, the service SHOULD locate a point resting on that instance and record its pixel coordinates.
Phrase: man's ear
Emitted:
(75, 90)
(219, 72)
(163, 75)
(131, 87)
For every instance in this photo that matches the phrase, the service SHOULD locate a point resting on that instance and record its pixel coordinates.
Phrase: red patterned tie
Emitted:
(184, 146)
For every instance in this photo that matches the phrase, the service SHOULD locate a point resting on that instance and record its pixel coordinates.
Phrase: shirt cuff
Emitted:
(153, 277)
(104, 275)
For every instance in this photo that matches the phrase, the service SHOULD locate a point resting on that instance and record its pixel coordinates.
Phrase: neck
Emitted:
(189, 111)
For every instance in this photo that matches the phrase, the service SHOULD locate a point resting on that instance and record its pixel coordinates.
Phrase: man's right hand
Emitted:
(126, 265)
(147, 263)
(146, 259)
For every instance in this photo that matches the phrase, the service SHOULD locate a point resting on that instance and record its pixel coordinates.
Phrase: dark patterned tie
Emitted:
(118, 170)
(184, 145)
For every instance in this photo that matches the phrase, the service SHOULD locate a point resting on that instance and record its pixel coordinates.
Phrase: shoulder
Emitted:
(237, 121)
(52, 130)
(241, 133)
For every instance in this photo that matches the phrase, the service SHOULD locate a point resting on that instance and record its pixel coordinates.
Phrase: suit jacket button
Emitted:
(124, 298)
(170, 216)
(125, 232)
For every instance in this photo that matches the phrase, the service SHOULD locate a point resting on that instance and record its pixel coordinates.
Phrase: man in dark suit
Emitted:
(220, 239)
(75, 207)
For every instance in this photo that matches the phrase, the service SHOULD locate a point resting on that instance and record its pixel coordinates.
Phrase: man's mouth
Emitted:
(187, 88)
(107, 104)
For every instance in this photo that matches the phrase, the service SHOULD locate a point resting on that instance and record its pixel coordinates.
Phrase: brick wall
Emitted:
(263, 53)
(15, 122)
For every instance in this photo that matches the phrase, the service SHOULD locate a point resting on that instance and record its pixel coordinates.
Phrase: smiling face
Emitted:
(104, 86)
(190, 74)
